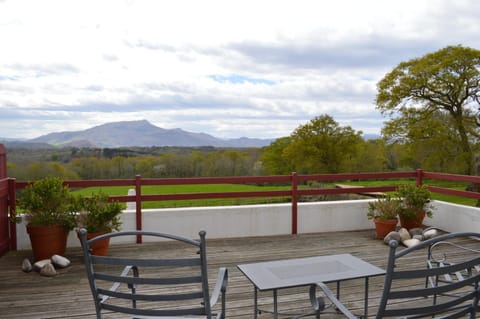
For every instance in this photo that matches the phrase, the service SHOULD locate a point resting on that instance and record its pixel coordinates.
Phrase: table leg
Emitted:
(255, 303)
(275, 304)
(366, 299)
(338, 290)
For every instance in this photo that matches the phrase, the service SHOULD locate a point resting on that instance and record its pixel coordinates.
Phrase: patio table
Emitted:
(298, 272)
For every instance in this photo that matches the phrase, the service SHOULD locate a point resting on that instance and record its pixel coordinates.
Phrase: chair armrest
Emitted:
(330, 295)
(220, 287)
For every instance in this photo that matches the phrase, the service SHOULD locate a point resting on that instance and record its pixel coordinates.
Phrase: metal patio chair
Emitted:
(174, 285)
(405, 294)
(438, 256)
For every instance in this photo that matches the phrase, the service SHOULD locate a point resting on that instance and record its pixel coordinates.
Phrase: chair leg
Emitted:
(318, 303)
(133, 287)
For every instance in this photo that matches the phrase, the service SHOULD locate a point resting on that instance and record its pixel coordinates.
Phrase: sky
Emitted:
(229, 68)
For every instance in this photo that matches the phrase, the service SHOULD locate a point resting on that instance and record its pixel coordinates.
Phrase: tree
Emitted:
(144, 166)
(445, 81)
(322, 146)
(429, 142)
(274, 161)
(371, 157)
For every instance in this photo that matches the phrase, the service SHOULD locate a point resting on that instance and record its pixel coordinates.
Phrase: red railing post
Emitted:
(5, 236)
(138, 204)
(294, 203)
(419, 177)
(12, 204)
(3, 161)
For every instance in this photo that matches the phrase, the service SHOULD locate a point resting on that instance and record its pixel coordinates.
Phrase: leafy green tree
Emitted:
(371, 157)
(87, 167)
(144, 166)
(445, 81)
(322, 146)
(38, 170)
(198, 163)
(274, 161)
(429, 142)
(236, 163)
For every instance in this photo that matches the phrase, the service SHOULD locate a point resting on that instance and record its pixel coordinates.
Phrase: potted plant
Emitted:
(99, 216)
(48, 208)
(415, 205)
(384, 213)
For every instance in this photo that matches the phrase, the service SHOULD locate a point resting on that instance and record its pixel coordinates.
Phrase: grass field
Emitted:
(184, 189)
(445, 184)
(213, 188)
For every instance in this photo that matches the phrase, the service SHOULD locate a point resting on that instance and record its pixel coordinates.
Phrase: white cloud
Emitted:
(228, 68)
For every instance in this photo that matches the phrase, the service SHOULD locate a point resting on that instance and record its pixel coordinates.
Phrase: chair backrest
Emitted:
(406, 294)
(167, 285)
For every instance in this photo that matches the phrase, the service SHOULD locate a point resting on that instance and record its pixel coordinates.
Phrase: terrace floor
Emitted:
(29, 295)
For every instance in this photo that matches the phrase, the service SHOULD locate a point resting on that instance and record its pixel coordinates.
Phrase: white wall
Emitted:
(275, 219)
(333, 216)
(455, 218)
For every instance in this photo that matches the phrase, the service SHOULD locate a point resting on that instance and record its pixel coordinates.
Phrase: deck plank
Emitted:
(29, 295)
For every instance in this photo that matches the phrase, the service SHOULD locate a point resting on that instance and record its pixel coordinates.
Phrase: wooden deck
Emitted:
(28, 295)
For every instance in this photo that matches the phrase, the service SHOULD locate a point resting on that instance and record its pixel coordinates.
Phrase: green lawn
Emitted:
(214, 188)
(206, 188)
(438, 183)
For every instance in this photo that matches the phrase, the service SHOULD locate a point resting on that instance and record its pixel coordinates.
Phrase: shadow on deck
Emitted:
(28, 295)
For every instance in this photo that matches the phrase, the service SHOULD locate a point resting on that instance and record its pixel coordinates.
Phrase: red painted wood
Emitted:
(455, 192)
(12, 203)
(4, 195)
(293, 180)
(294, 203)
(4, 221)
(452, 177)
(138, 207)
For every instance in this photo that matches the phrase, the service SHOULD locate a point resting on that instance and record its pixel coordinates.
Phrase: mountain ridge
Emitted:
(140, 133)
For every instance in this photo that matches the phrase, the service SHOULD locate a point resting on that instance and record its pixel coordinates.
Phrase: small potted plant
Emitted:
(384, 213)
(415, 205)
(99, 216)
(49, 213)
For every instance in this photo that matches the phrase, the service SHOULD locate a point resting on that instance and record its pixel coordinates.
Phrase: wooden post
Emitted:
(3, 161)
(8, 235)
(294, 203)
(12, 199)
(4, 195)
(419, 177)
(138, 201)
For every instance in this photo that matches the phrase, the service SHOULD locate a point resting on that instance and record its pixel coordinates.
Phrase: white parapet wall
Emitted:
(331, 216)
(274, 219)
(455, 218)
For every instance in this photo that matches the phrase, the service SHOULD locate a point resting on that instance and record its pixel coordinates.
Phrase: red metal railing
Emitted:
(293, 180)
(5, 243)
(9, 187)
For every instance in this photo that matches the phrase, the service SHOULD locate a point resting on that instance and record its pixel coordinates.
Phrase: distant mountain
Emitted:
(141, 133)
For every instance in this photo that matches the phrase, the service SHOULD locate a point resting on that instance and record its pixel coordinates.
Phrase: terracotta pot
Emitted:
(47, 241)
(410, 223)
(383, 227)
(99, 248)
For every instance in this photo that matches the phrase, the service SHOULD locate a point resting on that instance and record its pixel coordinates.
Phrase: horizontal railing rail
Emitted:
(293, 181)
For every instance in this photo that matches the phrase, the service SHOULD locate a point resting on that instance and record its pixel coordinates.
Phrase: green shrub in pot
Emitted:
(384, 208)
(49, 211)
(98, 214)
(415, 205)
(384, 213)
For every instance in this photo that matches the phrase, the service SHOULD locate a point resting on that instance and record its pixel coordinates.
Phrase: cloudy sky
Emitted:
(227, 68)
